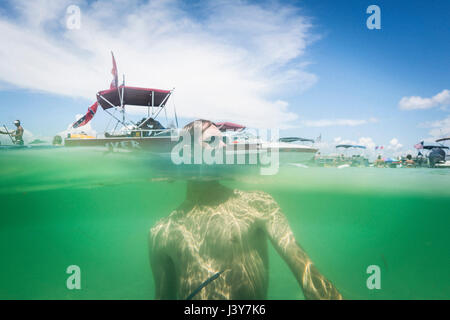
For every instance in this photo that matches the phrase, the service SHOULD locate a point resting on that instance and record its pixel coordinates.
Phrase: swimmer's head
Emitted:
(200, 154)
(204, 132)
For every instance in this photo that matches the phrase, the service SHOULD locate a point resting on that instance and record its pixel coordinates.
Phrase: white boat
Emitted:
(291, 150)
(446, 162)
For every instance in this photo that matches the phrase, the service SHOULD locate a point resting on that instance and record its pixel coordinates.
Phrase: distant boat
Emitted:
(289, 152)
(438, 157)
(355, 160)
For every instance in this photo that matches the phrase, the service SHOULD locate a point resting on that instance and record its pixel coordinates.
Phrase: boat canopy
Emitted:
(132, 96)
(346, 146)
(432, 147)
(443, 139)
(229, 126)
(293, 139)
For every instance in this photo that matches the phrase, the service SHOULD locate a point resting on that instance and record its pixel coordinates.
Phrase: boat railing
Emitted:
(137, 133)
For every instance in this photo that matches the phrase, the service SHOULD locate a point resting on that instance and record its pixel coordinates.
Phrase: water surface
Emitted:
(62, 207)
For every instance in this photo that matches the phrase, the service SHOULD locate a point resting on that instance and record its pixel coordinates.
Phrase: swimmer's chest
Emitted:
(220, 226)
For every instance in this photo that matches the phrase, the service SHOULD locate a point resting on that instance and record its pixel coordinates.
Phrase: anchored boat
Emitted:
(291, 150)
(147, 134)
(357, 159)
(438, 157)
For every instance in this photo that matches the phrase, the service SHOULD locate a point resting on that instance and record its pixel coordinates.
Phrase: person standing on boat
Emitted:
(214, 246)
(17, 134)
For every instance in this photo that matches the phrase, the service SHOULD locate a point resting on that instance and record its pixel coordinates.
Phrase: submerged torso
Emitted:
(203, 240)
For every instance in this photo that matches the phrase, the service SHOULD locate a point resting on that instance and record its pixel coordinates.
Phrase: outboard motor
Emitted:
(436, 155)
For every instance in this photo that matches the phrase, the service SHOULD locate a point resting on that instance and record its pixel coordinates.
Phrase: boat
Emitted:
(292, 153)
(296, 149)
(438, 157)
(432, 155)
(346, 159)
(354, 160)
(289, 151)
(127, 134)
(147, 134)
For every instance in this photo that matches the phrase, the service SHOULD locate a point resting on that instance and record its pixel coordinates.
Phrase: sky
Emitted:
(306, 67)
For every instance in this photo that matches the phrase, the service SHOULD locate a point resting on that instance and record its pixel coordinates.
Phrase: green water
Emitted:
(62, 207)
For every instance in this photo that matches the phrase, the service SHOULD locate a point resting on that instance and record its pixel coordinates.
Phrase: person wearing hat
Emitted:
(16, 134)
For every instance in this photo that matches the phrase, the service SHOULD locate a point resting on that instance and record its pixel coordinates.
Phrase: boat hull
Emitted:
(154, 144)
(445, 164)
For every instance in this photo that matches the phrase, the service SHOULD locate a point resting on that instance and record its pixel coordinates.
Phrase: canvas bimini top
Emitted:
(346, 146)
(134, 96)
(294, 139)
(229, 126)
(443, 139)
(119, 96)
(432, 147)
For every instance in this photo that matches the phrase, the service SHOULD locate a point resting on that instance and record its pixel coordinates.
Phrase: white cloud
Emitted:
(337, 122)
(441, 99)
(233, 64)
(439, 128)
(394, 145)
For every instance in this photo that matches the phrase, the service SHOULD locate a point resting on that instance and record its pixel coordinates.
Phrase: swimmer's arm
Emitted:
(163, 274)
(312, 282)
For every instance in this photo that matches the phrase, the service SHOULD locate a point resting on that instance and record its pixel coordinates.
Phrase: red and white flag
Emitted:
(115, 80)
(87, 117)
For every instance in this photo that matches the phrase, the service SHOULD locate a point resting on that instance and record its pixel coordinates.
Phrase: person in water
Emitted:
(379, 163)
(409, 161)
(221, 234)
(17, 134)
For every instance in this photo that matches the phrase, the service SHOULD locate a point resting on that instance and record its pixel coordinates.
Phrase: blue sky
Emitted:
(364, 73)
(309, 67)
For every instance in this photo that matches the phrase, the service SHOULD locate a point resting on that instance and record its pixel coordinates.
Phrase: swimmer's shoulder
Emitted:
(164, 225)
(260, 201)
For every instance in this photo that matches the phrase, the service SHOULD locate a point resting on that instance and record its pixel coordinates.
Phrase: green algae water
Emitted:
(62, 207)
